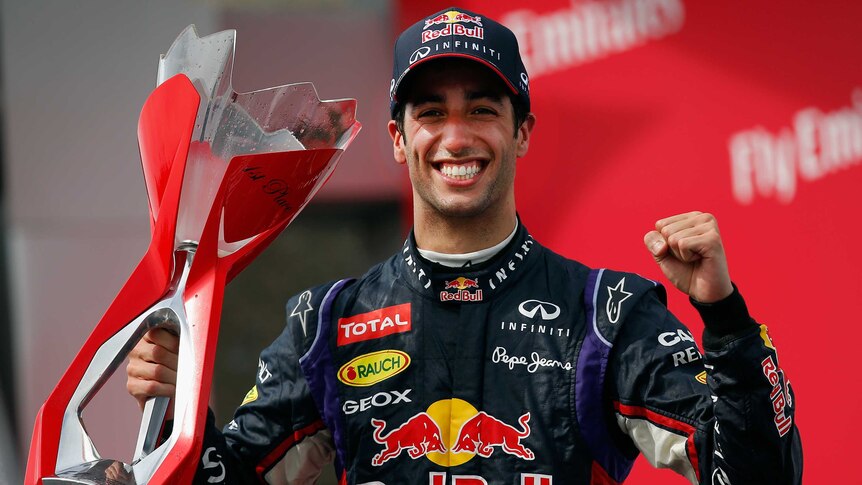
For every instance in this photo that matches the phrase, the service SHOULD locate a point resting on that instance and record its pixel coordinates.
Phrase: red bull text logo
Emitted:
(372, 368)
(439, 478)
(429, 434)
(374, 324)
(451, 17)
(453, 29)
(462, 287)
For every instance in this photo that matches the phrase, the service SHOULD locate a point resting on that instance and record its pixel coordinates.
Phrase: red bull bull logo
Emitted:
(483, 432)
(451, 17)
(462, 290)
(419, 436)
(452, 432)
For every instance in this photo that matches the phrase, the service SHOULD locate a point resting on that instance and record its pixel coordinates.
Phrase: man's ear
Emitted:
(397, 142)
(524, 132)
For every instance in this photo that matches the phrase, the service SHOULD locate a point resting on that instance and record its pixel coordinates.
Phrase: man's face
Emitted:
(459, 140)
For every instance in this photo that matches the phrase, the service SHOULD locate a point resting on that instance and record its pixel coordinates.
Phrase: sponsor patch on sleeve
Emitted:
(251, 396)
(374, 324)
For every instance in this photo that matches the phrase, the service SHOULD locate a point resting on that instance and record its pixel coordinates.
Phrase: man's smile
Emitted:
(460, 171)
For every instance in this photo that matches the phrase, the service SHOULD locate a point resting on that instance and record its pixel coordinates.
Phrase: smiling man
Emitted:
(475, 355)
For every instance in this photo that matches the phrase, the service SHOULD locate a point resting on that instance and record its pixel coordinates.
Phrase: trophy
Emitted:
(225, 173)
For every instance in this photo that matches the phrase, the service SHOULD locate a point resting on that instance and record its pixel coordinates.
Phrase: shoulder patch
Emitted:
(303, 309)
(250, 396)
(611, 296)
(300, 311)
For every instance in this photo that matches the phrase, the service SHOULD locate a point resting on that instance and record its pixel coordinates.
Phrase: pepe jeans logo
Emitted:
(548, 311)
(535, 362)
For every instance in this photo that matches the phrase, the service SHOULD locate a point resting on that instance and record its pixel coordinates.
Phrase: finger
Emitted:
(159, 355)
(155, 354)
(656, 244)
(139, 369)
(142, 389)
(675, 218)
(685, 223)
(164, 338)
(698, 246)
(686, 252)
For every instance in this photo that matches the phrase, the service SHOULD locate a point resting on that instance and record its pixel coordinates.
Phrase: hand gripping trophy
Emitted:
(225, 173)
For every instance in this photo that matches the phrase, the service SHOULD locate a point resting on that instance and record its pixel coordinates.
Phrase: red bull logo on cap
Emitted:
(453, 29)
(462, 287)
(452, 432)
(451, 17)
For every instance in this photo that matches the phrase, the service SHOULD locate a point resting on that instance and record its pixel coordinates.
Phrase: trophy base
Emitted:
(99, 472)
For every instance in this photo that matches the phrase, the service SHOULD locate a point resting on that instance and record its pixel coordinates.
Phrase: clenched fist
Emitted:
(689, 251)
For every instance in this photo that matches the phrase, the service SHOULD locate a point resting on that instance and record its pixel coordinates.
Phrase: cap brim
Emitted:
(454, 54)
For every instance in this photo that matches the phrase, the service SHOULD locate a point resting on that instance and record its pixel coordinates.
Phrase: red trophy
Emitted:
(225, 173)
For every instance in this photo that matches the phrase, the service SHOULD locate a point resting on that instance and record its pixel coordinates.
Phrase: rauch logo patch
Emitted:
(369, 369)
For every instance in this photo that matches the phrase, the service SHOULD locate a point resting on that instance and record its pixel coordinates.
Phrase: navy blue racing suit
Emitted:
(527, 369)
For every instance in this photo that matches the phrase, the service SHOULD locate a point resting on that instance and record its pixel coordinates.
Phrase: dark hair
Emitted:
(520, 115)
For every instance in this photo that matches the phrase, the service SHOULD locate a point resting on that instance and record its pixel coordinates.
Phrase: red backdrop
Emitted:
(751, 110)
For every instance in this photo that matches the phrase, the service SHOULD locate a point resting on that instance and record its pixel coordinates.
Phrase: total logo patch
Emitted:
(374, 324)
(369, 369)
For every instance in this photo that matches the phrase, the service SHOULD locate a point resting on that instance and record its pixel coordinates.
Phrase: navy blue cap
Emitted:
(455, 32)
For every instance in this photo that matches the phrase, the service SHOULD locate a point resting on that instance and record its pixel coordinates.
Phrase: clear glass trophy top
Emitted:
(280, 119)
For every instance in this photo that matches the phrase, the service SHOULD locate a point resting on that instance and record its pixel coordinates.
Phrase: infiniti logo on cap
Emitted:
(529, 309)
(419, 53)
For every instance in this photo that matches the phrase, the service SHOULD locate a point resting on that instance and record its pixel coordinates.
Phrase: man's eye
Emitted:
(484, 111)
(429, 113)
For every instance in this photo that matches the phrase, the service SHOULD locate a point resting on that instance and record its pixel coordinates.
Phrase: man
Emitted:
(475, 355)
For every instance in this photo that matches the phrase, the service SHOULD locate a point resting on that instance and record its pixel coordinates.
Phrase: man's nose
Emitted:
(457, 135)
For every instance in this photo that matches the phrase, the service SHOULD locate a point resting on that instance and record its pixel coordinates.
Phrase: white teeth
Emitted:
(461, 172)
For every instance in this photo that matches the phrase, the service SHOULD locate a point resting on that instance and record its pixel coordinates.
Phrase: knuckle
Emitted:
(133, 368)
(160, 373)
(157, 354)
(150, 388)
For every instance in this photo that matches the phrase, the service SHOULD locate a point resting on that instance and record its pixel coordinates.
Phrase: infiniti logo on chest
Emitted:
(548, 311)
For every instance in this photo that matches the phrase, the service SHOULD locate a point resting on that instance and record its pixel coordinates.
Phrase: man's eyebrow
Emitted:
(420, 99)
(490, 95)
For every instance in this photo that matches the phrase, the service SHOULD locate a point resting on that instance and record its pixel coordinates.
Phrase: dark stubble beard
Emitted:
(495, 193)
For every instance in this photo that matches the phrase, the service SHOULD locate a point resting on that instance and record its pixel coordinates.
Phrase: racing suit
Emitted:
(527, 369)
